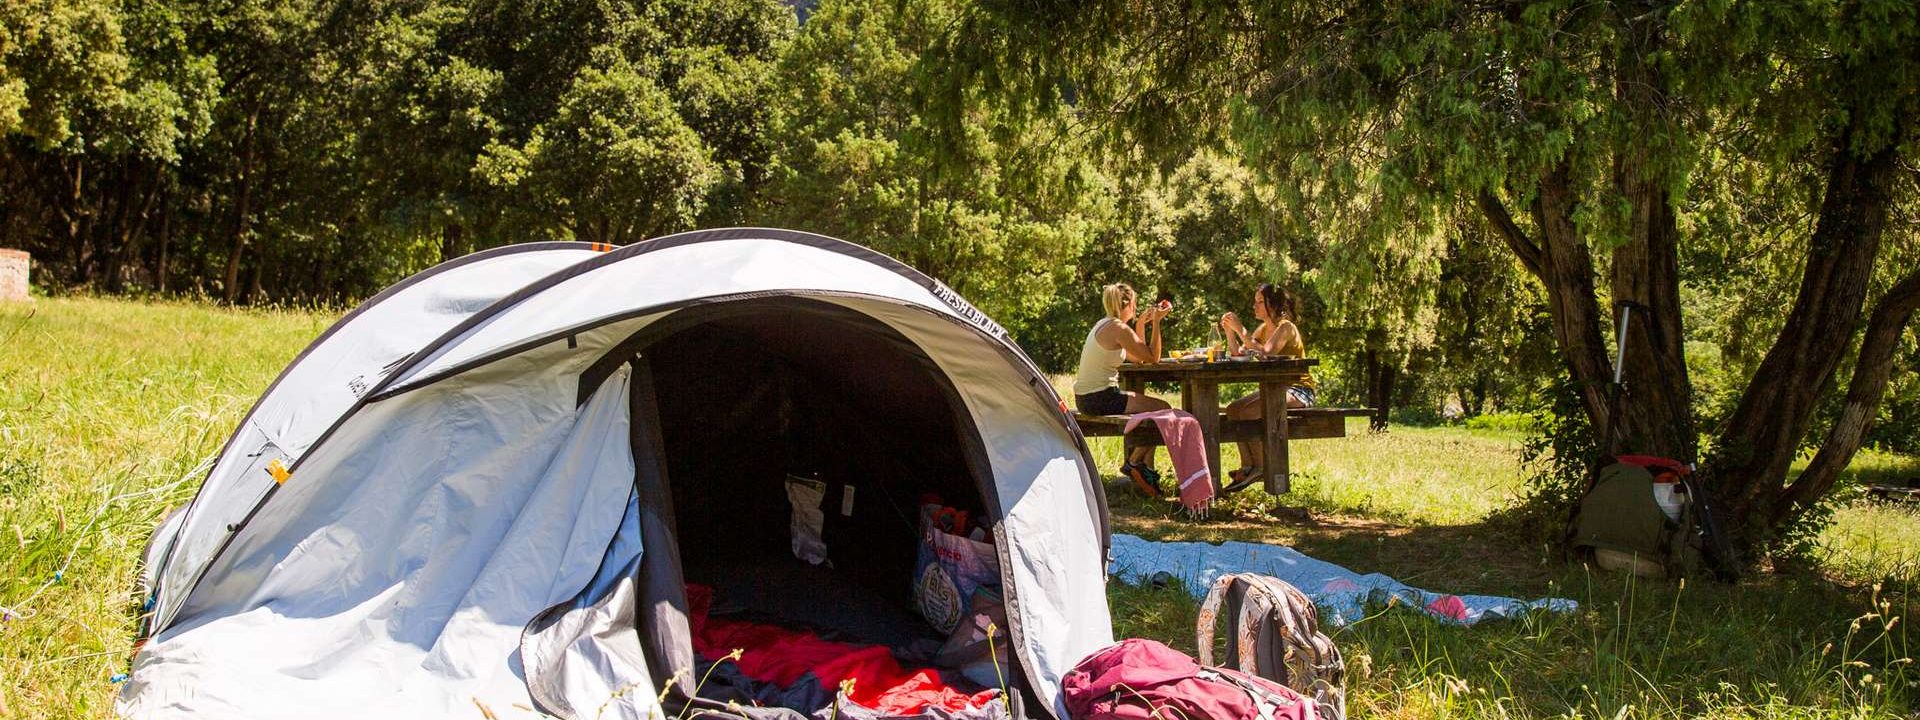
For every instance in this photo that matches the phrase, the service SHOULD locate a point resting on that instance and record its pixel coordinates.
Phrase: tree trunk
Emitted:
(452, 242)
(327, 289)
(132, 229)
(255, 295)
(1379, 380)
(72, 213)
(1654, 414)
(1563, 264)
(123, 190)
(1382, 401)
(1653, 411)
(1864, 391)
(1764, 432)
(160, 256)
(231, 290)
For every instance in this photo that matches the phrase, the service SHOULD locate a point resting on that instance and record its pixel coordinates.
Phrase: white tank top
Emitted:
(1099, 367)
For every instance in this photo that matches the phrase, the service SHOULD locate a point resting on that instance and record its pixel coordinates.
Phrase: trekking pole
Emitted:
(1620, 347)
(1613, 437)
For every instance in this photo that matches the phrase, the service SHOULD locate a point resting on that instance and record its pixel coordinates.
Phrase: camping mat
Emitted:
(1342, 594)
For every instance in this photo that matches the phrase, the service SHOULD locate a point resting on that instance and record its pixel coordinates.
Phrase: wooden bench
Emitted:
(1910, 492)
(1302, 424)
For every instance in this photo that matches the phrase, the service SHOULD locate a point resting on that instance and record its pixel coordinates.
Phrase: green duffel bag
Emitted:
(1620, 526)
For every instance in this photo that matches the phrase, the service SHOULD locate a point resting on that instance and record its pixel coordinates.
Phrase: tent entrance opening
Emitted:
(802, 441)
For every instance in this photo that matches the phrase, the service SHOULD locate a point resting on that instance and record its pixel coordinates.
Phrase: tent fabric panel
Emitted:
(666, 276)
(389, 578)
(667, 638)
(584, 659)
(328, 378)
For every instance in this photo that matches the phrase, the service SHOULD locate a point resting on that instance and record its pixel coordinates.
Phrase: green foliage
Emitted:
(324, 149)
(80, 76)
(1002, 215)
(614, 163)
(1559, 457)
(1200, 232)
(1478, 346)
(319, 150)
(1504, 422)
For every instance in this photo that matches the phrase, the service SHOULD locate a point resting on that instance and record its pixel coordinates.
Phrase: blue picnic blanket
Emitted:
(1342, 594)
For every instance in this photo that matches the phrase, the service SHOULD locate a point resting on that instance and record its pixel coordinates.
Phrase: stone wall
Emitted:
(13, 274)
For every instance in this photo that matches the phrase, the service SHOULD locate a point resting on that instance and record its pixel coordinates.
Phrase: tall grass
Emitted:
(108, 412)
(1413, 503)
(1771, 648)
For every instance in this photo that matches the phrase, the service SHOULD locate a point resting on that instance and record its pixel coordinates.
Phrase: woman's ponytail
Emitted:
(1115, 297)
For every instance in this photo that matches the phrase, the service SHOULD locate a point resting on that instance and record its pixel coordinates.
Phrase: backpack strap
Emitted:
(1210, 615)
(1247, 605)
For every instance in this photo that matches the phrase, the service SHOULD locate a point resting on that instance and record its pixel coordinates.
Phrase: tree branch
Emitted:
(1864, 391)
(1775, 411)
(1502, 221)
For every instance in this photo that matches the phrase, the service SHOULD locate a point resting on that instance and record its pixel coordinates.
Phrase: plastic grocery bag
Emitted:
(808, 520)
(951, 568)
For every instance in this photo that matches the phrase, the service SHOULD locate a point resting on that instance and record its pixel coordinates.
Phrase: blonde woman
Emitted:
(1276, 336)
(1096, 387)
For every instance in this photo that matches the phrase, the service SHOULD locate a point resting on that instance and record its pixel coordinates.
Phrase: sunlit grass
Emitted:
(1413, 503)
(108, 409)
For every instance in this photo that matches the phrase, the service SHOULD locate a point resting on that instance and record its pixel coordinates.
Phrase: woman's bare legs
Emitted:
(1139, 403)
(1253, 454)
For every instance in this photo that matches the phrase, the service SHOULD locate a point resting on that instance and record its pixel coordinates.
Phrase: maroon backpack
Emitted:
(1146, 680)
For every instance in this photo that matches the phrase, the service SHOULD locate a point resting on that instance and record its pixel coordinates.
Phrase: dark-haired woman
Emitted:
(1276, 336)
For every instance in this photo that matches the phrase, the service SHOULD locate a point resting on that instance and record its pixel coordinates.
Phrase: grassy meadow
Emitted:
(109, 410)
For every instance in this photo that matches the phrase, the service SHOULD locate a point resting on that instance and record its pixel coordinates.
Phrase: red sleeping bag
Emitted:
(783, 656)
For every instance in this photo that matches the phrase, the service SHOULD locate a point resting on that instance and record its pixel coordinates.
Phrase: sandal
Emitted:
(1145, 479)
(1242, 479)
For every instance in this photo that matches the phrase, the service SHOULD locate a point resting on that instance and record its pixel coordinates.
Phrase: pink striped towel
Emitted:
(1188, 449)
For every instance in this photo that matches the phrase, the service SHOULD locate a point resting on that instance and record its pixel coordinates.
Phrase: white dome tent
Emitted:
(484, 485)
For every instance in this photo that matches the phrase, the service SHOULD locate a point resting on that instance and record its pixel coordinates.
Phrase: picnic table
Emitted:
(1200, 395)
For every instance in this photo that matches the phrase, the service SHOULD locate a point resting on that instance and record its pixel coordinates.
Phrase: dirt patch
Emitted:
(1476, 558)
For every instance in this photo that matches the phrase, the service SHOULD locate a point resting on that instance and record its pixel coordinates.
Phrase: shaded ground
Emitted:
(1415, 504)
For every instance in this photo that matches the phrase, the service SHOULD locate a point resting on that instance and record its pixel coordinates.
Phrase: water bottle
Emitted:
(1214, 343)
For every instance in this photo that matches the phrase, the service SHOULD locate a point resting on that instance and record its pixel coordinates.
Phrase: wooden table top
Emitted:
(1221, 371)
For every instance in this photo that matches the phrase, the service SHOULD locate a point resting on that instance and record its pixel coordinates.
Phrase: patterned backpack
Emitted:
(1274, 632)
